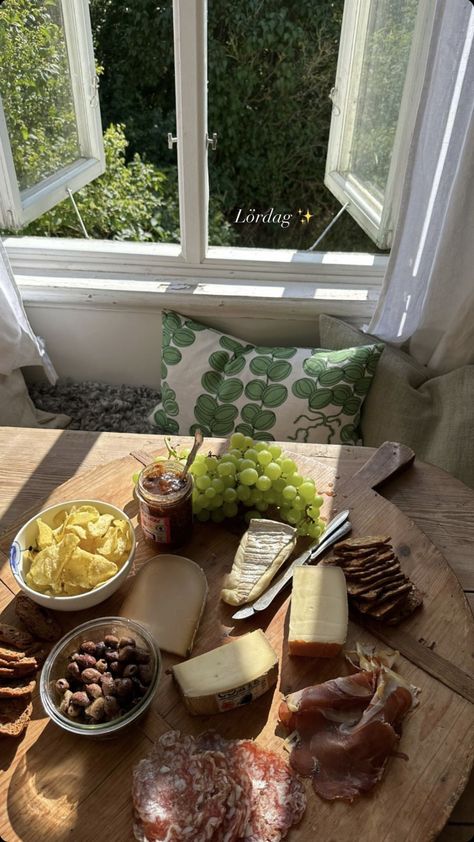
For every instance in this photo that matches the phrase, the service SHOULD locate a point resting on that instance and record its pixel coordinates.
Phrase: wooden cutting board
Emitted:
(63, 786)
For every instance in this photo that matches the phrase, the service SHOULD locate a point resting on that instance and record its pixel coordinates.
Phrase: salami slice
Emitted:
(276, 796)
(239, 800)
(179, 795)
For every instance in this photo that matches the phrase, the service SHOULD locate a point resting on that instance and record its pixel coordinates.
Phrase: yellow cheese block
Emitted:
(318, 615)
(229, 676)
(168, 596)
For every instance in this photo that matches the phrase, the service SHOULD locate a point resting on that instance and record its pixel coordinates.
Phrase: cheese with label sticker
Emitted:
(168, 596)
(229, 676)
(318, 615)
(262, 550)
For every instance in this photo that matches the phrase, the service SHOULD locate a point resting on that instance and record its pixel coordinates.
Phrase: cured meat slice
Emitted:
(239, 801)
(178, 794)
(345, 751)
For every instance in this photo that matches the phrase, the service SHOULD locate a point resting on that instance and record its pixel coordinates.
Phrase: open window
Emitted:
(381, 64)
(50, 129)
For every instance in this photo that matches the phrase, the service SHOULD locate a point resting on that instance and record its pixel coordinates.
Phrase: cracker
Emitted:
(14, 716)
(38, 620)
(22, 687)
(14, 637)
(8, 654)
(371, 541)
(16, 669)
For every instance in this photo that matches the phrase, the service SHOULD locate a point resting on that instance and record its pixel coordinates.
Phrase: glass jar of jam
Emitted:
(165, 503)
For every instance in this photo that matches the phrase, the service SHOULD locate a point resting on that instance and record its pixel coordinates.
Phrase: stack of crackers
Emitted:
(22, 652)
(376, 585)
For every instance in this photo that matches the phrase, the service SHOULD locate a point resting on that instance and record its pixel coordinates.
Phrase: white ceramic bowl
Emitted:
(26, 537)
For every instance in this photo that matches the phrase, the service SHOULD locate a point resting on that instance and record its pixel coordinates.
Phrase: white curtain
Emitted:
(18, 344)
(428, 293)
(18, 347)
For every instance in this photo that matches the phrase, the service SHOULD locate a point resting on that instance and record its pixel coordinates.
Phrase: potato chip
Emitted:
(84, 550)
(45, 535)
(98, 528)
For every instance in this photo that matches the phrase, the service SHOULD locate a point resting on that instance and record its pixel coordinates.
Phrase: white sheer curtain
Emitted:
(428, 292)
(19, 347)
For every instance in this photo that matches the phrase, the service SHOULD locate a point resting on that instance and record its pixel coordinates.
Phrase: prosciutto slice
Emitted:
(346, 729)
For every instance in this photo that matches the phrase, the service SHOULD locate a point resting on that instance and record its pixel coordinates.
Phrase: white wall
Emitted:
(118, 345)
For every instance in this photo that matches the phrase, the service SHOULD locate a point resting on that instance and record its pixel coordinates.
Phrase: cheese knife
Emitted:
(336, 529)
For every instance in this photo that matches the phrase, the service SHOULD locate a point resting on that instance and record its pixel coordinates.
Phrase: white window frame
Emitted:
(257, 281)
(375, 214)
(18, 208)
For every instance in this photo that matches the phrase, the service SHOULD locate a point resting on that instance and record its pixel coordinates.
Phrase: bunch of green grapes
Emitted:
(257, 476)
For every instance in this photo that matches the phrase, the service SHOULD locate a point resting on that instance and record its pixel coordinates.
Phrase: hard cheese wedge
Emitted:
(318, 615)
(168, 596)
(229, 676)
(263, 549)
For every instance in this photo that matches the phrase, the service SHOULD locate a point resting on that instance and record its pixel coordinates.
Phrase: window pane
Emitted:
(271, 69)
(384, 67)
(35, 86)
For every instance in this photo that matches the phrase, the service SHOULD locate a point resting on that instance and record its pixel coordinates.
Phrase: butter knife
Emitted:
(336, 529)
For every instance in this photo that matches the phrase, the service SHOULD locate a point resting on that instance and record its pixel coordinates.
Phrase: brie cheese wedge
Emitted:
(265, 546)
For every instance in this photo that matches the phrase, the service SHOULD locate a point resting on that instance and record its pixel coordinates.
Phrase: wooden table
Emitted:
(34, 462)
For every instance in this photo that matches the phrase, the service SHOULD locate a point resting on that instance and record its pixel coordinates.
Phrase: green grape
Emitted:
(299, 503)
(287, 466)
(307, 491)
(225, 469)
(318, 501)
(264, 483)
(217, 484)
(248, 442)
(296, 480)
(237, 441)
(216, 502)
(244, 464)
(198, 468)
(237, 454)
(230, 496)
(313, 511)
(260, 445)
(314, 531)
(272, 471)
(251, 454)
(289, 492)
(274, 450)
(210, 492)
(248, 476)
(217, 516)
(197, 505)
(243, 493)
(203, 516)
(228, 458)
(302, 529)
(261, 505)
(264, 457)
(251, 515)
(293, 516)
(279, 485)
(211, 464)
(135, 477)
(230, 509)
(270, 497)
(203, 482)
(229, 482)
(255, 496)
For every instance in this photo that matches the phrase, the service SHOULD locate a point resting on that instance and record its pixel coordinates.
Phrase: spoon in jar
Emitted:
(198, 440)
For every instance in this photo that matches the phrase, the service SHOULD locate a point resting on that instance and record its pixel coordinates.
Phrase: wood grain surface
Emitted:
(57, 777)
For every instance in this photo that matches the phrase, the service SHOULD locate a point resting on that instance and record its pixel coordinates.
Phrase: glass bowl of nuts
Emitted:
(100, 677)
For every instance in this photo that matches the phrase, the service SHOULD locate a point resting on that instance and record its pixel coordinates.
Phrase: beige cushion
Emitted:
(433, 414)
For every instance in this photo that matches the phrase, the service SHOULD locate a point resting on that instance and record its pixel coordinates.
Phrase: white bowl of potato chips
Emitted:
(73, 555)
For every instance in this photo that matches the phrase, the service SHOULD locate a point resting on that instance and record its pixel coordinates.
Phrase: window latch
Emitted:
(171, 140)
(211, 141)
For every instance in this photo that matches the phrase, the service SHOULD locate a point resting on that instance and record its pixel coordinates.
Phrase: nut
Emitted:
(100, 649)
(94, 691)
(142, 656)
(111, 655)
(145, 673)
(123, 687)
(127, 653)
(84, 661)
(62, 685)
(73, 670)
(108, 684)
(91, 676)
(96, 710)
(73, 711)
(116, 668)
(111, 640)
(111, 707)
(126, 641)
(88, 647)
(130, 670)
(65, 701)
(81, 699)
(101, 665)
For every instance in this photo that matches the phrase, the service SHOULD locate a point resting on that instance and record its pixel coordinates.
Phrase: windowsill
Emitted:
(244, 282)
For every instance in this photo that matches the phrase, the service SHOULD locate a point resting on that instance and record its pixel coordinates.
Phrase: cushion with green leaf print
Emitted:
(222, 384)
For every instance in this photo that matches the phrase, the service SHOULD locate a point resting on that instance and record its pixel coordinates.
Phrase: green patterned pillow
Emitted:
(221, 384)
